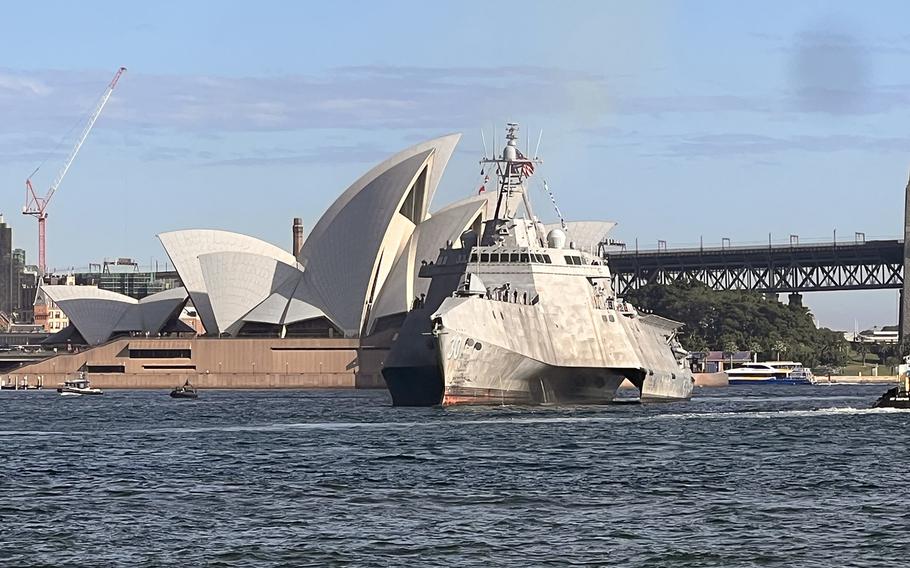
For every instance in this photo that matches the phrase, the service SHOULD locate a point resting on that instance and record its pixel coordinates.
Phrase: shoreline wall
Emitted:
(241, 363)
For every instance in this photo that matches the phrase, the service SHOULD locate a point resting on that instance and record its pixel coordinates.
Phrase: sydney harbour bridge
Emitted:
(794, 268)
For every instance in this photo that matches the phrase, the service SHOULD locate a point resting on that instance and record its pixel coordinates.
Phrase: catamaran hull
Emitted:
(446, 367)
(414, 386)
(667, 386)
(478, 373)
(495, 376)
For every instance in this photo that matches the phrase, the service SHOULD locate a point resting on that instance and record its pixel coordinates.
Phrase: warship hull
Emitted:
(419, 385)
(497, 364)
(476, 372)
(667, 387)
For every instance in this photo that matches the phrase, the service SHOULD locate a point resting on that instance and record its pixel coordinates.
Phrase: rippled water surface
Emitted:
(771, 476)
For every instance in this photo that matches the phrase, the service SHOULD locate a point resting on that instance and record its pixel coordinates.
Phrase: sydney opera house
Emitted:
(324, 316)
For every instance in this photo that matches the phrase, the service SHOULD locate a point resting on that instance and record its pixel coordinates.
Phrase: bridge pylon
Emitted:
(904, 323)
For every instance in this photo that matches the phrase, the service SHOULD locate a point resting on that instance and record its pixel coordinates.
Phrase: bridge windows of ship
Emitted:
(511, 257)
(574, 260)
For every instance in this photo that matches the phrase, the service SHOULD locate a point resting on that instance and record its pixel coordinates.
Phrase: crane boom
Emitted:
(85, 132)
(35, 205)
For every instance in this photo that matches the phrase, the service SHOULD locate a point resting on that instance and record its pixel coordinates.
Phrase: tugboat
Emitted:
(518, 315)
(899, 396)
(78, 386)
(185, 391)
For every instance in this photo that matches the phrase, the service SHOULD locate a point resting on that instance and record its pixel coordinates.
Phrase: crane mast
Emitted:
(36, 205)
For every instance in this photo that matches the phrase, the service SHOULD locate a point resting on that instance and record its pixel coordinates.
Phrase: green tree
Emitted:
(734, 320)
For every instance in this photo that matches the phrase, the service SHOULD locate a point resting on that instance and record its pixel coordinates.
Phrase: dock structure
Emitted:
(904, 317)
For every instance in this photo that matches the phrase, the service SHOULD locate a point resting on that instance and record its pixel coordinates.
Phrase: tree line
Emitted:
(742, 320)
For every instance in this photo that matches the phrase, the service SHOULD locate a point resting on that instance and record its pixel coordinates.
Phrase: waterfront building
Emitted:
(124, 276)
(47, 313)
(885, 335)
(24, 288)
(6, 267)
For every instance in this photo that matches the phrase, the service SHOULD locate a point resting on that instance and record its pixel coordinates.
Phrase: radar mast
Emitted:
(512, 169)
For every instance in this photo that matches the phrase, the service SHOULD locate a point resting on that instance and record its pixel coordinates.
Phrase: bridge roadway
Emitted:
(789, 268)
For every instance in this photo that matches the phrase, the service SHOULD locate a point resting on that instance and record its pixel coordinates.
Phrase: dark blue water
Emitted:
(770, 476)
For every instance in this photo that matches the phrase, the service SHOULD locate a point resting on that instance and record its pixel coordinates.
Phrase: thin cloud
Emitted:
(364, 97)
(18, 85)
(750, 144)
(359, 153)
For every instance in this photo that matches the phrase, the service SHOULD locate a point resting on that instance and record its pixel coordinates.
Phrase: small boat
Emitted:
(896, 397)
(185, 391)
(78, 386)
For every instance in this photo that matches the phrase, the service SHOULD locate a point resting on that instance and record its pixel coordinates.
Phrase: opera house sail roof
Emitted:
(100, 314)
(354, 244)
(186, 247)
(234, 279)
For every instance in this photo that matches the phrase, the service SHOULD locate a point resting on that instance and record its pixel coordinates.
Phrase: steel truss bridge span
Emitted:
(794, 268)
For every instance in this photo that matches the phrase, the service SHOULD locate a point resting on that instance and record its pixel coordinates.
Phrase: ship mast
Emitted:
(512, 168)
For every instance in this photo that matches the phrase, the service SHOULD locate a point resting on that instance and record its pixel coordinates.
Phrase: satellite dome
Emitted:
(556, 239)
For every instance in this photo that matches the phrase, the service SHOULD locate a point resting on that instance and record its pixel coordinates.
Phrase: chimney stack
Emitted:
(298, 237)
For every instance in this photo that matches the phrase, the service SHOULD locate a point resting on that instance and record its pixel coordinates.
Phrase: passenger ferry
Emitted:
(771, 372)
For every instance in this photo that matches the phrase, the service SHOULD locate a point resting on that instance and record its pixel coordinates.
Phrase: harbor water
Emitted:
(739, 476)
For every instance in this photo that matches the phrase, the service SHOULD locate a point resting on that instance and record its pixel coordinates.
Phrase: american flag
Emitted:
(526, 169)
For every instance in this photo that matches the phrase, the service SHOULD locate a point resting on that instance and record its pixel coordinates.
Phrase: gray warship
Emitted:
(514, 314)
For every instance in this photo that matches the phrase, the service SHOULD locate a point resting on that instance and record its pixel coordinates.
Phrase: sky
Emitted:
(679, 120)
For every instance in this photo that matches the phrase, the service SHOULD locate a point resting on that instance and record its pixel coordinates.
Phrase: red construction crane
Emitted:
(37, 206)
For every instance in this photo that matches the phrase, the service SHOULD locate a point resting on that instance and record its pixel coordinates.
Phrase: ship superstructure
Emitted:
(517, 315)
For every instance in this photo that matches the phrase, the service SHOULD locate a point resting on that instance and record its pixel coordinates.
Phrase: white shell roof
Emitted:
(236, 282)
(285, 305)
(98, 313)
(157, 309)
(403, 286)
(585, 234)
(355, 243)
(184, 248)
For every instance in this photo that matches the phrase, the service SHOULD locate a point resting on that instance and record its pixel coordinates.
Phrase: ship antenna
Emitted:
(528, 146)
(562, 221)
(484, 140)
(537, 149)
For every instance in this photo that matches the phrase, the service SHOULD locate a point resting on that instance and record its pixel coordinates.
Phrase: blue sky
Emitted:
(679, 120)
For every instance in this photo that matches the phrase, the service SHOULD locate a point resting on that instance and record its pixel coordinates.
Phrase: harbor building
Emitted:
(6, 267)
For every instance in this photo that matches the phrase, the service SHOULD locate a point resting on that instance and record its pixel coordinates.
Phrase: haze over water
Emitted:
(779, 476)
